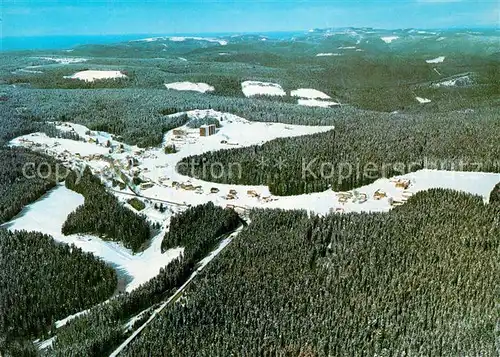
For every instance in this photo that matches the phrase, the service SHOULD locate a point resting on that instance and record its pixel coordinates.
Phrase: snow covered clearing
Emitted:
(189, 86)
(251, 88)
(439, 59)
(65, 60)
(312, 98)
(48, 214)
(476, 183)
(389, 39)
(422, 100)
(329, 54)
(213, 40)
(460, 81)
(309, 93)
(92, 75)
(317, 103)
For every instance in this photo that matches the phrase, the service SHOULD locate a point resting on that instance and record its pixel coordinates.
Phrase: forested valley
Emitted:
(199, 229)
(409, 282)
(43, 281)
(103, 214)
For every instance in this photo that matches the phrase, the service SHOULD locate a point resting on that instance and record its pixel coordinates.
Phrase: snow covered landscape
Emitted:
(225, 189)
(457, 81)
(167, 185)
(189, 86)
(439, 59)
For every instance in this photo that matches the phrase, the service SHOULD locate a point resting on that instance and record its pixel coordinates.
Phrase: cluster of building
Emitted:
(357, 197)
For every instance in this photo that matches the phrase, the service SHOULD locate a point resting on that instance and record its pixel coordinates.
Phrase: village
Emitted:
(150, 175)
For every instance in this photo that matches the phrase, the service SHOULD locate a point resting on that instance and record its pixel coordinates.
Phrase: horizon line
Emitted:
(228, 33)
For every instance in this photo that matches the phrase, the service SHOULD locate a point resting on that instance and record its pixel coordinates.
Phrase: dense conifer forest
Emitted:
(103, 214)
(495, 195)
(185, 232)
(43, 281)
(198, 230)
(420, 280)
(408, 282)
(24, 177)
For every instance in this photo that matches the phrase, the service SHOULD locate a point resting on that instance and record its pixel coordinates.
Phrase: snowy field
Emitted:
(389, 39)
(48, 214)
(92, 75)
(309, 93)
(458, 81)
(189, 86)
(439, 59)
(165, 183)
(251, 88)
(422, 100)
(312, 98)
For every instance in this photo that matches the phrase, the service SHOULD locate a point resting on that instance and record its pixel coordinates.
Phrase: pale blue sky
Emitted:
(92, 17)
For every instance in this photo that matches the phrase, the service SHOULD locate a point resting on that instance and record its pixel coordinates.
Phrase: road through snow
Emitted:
(179, 291)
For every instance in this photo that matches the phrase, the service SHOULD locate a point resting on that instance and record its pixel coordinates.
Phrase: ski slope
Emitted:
(48, 214)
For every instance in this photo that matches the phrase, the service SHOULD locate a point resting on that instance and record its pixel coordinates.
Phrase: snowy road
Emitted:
(179, 291)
